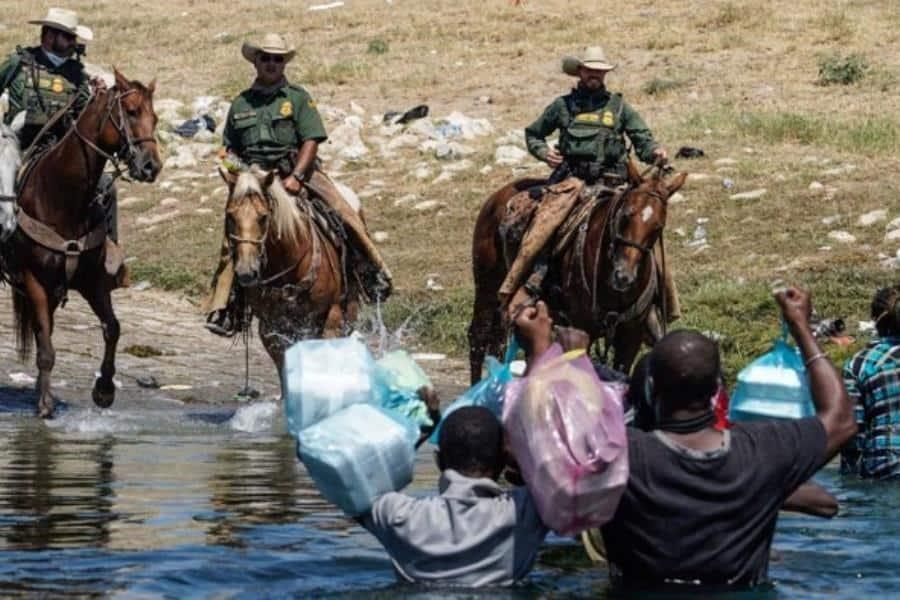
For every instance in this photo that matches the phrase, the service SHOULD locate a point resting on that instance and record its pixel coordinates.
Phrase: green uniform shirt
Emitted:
(40, 88)
(593, 124)
(266, 129)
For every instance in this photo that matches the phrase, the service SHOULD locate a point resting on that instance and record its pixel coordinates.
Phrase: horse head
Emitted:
(129, 129)
(637, 222)
(248, 215)
(10, 160)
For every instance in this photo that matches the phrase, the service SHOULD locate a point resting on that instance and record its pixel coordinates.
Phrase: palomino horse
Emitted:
(290, 270)
(603, 282)
(59, 244)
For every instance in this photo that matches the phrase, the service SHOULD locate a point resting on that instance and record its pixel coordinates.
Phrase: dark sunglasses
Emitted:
(275, 58)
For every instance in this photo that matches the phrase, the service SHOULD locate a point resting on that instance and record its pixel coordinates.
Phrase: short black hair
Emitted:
(471, 442)
(685, 367)
(886, 310)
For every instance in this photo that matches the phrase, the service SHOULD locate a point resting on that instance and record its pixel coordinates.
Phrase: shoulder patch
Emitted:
(287, 109)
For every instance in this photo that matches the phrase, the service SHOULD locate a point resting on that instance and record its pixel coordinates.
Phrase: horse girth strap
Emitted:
(72, 249)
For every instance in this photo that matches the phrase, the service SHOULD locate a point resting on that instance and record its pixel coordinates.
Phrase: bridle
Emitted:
(127, 143)
(618, 216)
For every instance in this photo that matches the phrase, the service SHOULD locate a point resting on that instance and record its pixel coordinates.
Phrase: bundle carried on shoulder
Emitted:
(356, 420)
(566, 429)
(774, 386)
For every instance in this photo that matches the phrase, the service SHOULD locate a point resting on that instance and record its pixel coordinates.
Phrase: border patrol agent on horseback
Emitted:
(41, 81)
(592, 124)
(275, 124)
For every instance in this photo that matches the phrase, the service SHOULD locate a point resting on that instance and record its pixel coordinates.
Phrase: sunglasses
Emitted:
(267, 58)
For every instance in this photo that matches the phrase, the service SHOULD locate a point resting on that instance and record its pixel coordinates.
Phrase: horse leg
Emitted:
(104, 392)
(42, 307)
(485, 331)
(626, 345)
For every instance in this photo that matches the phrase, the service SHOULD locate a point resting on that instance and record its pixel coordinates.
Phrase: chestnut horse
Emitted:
(603, 282)
(60, 242)
(291, 272)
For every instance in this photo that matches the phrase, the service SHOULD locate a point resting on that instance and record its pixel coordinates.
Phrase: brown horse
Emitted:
(60, 242)
(290, 270)
(603, 282)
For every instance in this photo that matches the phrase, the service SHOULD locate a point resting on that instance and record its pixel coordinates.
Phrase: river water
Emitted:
(204, 501)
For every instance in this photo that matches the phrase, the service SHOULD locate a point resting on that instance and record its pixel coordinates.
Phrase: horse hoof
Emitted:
(103, 398)
(45, 412)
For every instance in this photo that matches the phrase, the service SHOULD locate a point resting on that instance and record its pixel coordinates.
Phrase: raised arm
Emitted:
(812, 499)
(833, 406)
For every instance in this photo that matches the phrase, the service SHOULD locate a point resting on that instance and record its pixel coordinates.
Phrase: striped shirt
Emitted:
(872, 378)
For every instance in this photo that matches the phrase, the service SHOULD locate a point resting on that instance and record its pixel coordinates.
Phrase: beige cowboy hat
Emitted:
(593, 57)
(65, 20)
(272, 43)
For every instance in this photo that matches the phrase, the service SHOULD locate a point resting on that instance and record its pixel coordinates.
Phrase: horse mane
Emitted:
(285, 216)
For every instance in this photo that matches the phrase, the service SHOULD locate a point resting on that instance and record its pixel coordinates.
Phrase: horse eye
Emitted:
(132, 112)
(261, 219)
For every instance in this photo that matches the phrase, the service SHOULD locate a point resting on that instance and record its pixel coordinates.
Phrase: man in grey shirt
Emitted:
(473, 533)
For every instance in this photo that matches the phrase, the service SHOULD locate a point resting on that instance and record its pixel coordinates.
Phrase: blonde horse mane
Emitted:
(285, 217)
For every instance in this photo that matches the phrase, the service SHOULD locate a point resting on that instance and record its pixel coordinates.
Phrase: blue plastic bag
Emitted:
(774, 386)
(358, 454)
(489, 391)
(397, 380)
(323, 376)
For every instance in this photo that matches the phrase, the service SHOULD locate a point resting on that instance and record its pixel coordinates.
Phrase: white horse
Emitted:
(10, 160)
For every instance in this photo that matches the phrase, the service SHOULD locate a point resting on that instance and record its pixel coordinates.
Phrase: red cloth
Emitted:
(720, 406)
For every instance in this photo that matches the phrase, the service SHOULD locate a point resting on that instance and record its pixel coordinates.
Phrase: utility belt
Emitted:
(590, 172)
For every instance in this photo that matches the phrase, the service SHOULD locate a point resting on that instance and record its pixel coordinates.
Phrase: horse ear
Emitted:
(152, 87)
(675, 185)
(229, 177)
(634, 176)
(121, 82)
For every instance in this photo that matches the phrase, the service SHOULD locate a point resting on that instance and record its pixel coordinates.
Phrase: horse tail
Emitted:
(24, 315)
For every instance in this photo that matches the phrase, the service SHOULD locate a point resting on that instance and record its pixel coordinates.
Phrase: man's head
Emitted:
(590, 68)
(60, 32)
(886, 311)
(269, 57)
(471, 443)
(684, 369)
(59, 42)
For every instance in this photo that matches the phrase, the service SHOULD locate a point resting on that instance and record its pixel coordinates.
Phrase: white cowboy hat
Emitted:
(272, 43)
(593, 57)
(65, 20)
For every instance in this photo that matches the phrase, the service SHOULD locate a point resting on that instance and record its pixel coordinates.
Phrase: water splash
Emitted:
(255, 418)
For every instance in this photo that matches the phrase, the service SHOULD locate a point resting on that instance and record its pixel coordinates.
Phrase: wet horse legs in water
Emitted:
(37, 312)
(104, 392)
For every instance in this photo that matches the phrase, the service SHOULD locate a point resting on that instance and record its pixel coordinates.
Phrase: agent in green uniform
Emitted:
(275, 124)
(592, 124)
(43, 79)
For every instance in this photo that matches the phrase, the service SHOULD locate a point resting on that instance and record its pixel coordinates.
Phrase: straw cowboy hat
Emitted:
(65, 20)
(272, 43)
(593, 57)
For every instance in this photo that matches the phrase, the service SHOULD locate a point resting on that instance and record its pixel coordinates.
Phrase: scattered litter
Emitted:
(689, 152)
(866, 327)
(397, 118)
(432, 284)
(328, 6)
(727, 183)
(147, 381)
(191, 127)
(751, 195)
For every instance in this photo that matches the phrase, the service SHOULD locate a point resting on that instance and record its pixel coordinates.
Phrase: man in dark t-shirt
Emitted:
(701, 504)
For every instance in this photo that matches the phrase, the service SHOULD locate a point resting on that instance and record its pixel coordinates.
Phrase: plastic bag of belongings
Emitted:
(356, 420)
(566, 429)
(774, 386)
(489, 391)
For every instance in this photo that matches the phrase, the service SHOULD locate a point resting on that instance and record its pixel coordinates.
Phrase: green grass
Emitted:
(867, 135)
(661, 85)
(837, 69)
(169, 276)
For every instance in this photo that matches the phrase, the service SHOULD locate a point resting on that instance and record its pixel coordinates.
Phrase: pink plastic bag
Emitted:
(566, 429)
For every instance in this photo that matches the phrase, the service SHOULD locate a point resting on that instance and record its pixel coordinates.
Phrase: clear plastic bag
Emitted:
(358, 454)
(774, 386)
(566, 429)
(323, 376)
